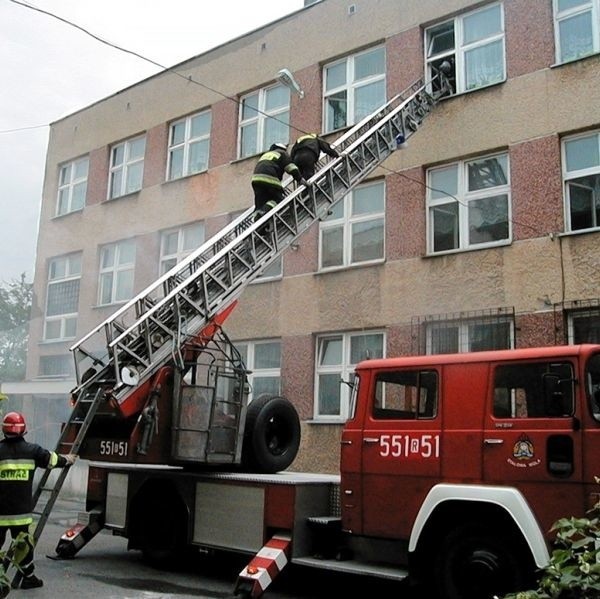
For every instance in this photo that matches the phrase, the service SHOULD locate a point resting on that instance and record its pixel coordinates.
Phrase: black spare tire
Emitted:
(271, 435)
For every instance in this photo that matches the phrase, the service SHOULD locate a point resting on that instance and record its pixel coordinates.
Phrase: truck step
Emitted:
(328, 522)
(354, 567)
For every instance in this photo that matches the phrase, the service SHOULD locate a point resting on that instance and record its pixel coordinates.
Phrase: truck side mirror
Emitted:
(551, 385)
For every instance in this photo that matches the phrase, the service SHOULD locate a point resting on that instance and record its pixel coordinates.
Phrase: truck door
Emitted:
(532, 438)
(400, 449)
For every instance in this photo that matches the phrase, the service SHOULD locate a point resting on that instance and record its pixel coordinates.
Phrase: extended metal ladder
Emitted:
(148, 331)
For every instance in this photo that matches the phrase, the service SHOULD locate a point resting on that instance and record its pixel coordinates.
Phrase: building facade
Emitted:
(483, 233)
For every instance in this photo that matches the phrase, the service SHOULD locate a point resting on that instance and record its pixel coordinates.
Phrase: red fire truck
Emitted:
(452, 469)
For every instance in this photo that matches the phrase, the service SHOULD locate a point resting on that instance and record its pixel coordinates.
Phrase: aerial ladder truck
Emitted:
(160, 383)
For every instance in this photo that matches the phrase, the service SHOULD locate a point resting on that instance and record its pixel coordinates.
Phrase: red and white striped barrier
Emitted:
(265, 566)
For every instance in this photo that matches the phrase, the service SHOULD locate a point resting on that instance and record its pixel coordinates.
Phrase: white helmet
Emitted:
(278, 146)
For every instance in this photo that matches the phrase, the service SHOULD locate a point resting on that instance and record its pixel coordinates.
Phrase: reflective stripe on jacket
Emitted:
(271, 167)
(314, 143)
(18, 461)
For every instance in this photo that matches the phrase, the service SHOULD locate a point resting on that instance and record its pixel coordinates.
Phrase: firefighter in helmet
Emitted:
(306, 151)
(18, 461)
(267, 176)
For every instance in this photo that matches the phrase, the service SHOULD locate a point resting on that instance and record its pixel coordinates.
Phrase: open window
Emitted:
(473, 44)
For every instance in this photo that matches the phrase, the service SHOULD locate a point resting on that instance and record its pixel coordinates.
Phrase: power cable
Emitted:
(22, 128)
(188, 78)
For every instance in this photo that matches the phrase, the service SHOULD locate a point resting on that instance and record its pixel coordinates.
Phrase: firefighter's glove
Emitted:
(304, 182)
(335, 153)
(71, 458)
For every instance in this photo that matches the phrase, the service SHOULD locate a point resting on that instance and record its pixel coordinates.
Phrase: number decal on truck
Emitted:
(118, 448)
(406, 446)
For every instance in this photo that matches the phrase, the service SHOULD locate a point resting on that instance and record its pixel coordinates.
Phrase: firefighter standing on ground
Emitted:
(18, 461)
(306, 151)
(268, 173)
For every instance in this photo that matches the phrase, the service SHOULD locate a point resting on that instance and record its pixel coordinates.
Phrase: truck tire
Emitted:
(271, 436)
(475, 562)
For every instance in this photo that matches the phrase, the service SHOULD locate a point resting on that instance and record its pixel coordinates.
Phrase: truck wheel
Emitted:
(271, 436)
(475, 562)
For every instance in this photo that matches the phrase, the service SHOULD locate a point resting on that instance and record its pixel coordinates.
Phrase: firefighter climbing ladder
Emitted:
(149, 331)
(125, 350)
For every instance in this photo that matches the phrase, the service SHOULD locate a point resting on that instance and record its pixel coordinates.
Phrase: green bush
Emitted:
(574, 568)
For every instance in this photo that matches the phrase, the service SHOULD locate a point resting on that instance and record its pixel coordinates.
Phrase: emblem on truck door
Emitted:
(523, 453)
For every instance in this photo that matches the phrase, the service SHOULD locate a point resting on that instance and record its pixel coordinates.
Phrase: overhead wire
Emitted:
(190, 79)
(172, 70)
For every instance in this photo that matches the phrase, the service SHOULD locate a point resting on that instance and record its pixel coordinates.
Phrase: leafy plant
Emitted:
(574, 568)
(15, 305)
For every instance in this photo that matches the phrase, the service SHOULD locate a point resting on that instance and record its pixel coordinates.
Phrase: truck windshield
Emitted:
(593, 384)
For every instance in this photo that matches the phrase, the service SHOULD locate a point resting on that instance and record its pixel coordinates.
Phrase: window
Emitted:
(126, 167)
(577, 24)
(581, 174)
(263, 359)
(469, 204)
(117, 262)
(354, 232)
(584, 326)
(176, 244)
(189, 141)
(62, 298)
(533, 390)
(354, 88)
(469, 335)
(273, 271)
(56, 366)
(337, 355)
(406, 395)
(473, 43)
(264, 119)
(72, 186)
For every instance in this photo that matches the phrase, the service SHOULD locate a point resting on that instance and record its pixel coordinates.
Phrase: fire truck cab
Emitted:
(470, 458)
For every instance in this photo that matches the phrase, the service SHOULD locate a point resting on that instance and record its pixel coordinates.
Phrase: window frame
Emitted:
(345, 370)
(464, 340)
(346, 222)
(580, 313)
(591, 6)
(71, 184)
(350, 86)
(114, 270)
(186, 145)
(250, 362)
(460, 49)
(124, 167)
(73, 272)
(462, 198)
(181, 252)
(274, 272)
(260, 119)
(48, 360)
(572, 176)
